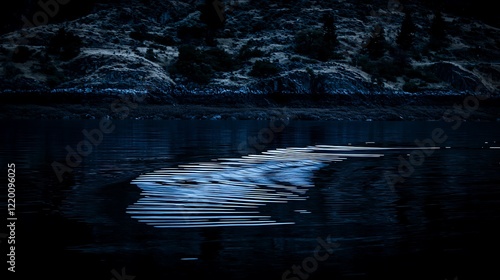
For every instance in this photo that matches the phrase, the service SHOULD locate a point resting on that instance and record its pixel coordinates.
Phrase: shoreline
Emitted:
(134, 111)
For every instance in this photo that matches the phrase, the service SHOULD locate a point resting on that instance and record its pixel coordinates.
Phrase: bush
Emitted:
(422, 74)
(437, 32)
(65, 44)
(383, 68)
(376, 45)
(21, 54)
(220, 60)
(249, 50)
(188, 33)
(10, 70)
(199, 66)
(165, 40)
(406, 33)
(140, 33)
(137, 36)
(411, 86)
(311, 42)
(263, 68)
(150, 55)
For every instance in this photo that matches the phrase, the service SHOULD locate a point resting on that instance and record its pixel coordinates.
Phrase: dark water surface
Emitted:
(441, 223)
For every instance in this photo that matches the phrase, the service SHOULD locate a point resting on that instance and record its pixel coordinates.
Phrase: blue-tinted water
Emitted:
(440, 223)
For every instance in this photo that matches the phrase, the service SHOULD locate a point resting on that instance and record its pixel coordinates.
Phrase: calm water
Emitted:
(441, 223)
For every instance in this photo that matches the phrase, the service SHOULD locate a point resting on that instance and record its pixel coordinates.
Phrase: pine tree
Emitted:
(437, 31)
(330, 40)
(213, 15)
(407, 33)
(330, 29)
(376, 45)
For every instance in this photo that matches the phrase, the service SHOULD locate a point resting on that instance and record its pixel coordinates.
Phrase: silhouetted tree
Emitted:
(377, 44)
(213, 15)
(318, 43)
(330, 40)
(66, 44)
(21, 54)
(437, 31)
(406, 33)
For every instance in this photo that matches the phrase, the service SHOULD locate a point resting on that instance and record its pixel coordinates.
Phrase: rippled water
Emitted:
(172, 199)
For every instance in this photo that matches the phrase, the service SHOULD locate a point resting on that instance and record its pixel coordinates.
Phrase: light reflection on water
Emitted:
(440, 223)
(221, 193)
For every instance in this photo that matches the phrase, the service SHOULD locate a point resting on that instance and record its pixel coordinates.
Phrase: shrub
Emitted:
(249, 50)
(263, 68)
(21, 54)
(311, 42)
(190, 32)
(422, 74)
(211, 15)
(137, 36)
(140, 33)
(437, 32)
(318, 43)
(199, 66)
(10, 70)
(65, 44)
(383, 68)
(219, 60)
(411, 86)
(406, 33)
(376, 45)
(150, 55)
(165, 40)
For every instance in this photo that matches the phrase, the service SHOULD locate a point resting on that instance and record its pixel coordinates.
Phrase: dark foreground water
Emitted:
(325, 211)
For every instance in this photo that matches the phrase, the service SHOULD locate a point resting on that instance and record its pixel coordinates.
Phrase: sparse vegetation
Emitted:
(318, 43)
(140, 33)
(21, 54)
(397, 52)
(199, 66)
(411, 86)
(250, 50)
(264, 68)
(65, 44)
(406, 34)
(213, 15)
(165, 40)
(151, 55)
(437, 31)
(10, 70)
(376, 45)
(382, 68)
(190, 33)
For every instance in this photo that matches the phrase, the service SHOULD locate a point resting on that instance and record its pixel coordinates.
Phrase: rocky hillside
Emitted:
(178, 47)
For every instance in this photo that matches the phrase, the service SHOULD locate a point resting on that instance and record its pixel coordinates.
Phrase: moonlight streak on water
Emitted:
(229, 191)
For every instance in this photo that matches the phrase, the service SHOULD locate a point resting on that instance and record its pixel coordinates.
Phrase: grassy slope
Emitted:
(111, 59)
